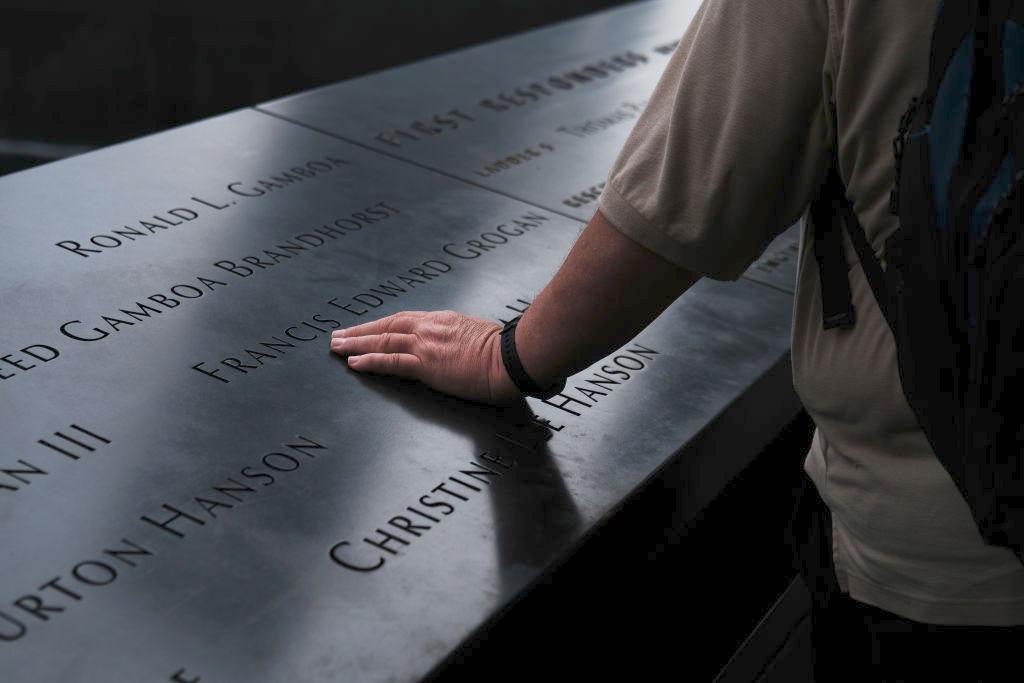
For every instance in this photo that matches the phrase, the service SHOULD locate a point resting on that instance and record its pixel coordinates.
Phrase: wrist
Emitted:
(502, 389)
(517, 373)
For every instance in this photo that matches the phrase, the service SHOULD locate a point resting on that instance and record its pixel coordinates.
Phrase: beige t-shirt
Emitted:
(733, 144)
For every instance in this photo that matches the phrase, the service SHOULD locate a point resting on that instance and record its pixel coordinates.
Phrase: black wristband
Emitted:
(514, 366)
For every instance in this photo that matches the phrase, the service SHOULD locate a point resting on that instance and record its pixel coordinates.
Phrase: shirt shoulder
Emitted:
(735, 139)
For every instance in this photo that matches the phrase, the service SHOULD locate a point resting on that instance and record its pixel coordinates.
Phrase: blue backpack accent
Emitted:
(952, 290)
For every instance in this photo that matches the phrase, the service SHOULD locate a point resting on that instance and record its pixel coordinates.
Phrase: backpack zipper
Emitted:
(899, 144)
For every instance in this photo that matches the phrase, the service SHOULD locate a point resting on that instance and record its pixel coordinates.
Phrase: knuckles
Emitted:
(448, 317)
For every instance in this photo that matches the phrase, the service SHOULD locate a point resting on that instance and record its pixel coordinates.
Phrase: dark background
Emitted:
(77, 75)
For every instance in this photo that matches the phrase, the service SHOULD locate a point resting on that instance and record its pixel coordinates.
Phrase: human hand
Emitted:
(448, 351)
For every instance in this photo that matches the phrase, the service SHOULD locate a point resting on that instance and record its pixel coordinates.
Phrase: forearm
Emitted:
(608, 289)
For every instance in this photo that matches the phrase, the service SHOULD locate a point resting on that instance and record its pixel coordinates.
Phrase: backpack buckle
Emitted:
(843, 320)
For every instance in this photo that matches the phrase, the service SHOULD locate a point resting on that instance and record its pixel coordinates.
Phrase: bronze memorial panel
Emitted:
(192, 486)
(539, 116)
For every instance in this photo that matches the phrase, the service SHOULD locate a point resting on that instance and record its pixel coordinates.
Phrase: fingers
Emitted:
(403, 322)
(387, 342)
(448, 351)
(398, 364)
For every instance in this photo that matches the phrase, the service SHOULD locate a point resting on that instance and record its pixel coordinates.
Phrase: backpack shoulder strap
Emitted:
(836, 300)
(830, 211)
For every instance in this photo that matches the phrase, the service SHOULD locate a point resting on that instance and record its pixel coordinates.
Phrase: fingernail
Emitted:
(353, 361)
(337, 333)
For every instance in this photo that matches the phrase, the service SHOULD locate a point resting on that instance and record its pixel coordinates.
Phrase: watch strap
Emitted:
(514, 366)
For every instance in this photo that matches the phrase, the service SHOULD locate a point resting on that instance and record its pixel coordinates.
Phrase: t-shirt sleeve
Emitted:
(735, 139)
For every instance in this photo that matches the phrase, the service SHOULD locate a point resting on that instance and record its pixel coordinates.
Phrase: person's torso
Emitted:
(905, 540)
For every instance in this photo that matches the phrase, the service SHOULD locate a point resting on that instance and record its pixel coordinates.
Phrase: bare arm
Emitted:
(608, 289)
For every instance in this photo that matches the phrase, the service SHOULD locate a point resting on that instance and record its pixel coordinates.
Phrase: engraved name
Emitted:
(160, 222)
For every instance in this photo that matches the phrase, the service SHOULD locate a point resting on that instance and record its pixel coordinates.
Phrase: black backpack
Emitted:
(952, 290)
